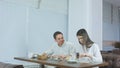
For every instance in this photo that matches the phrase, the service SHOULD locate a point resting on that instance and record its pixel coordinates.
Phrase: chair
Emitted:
(8, 65)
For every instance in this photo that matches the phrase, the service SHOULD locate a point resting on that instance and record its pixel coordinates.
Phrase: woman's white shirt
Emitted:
(94, 51)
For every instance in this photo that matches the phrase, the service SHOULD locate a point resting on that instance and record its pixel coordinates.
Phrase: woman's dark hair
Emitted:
(56, 33)
(83, 32)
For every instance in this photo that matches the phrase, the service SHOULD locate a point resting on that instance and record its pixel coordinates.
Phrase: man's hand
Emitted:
(62, 56)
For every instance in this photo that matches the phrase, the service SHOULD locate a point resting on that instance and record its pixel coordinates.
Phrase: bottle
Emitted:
(77, 56)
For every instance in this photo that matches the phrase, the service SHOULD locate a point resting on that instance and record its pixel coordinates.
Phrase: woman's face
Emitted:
(81, 39)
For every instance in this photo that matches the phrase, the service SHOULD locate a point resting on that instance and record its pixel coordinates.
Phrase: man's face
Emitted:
(59, 39)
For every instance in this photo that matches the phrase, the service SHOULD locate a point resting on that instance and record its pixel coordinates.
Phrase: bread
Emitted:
(42, 57)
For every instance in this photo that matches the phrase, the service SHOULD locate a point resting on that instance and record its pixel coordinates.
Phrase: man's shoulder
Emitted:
(69, 43)
(54, 45)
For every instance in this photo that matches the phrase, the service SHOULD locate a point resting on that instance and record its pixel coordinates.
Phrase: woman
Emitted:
(90, 51)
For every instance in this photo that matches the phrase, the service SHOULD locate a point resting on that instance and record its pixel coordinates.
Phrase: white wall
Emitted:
(111, 24)
(76, 19)
(43, 22)
(42, 25)
(95, 25)
(26, 29)
(12, 31)
(85, 14)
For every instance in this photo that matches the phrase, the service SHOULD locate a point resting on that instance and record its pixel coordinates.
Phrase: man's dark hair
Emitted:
(56, 33)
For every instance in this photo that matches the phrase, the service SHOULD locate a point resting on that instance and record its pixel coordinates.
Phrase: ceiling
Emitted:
(114, 2)
(54, 5)
(51, 4)
(35, 3)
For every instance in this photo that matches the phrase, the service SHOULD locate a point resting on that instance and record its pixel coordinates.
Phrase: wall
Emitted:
(85, 14)
(12, 31)
(76, 19)
(111, 24)
(51, 16)
(42, 25)
(26, 29)
(95, 25)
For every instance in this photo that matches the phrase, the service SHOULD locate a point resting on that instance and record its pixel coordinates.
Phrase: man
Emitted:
(60, 49)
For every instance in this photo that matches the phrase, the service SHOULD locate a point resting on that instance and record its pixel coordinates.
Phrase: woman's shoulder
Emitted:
(95, 45)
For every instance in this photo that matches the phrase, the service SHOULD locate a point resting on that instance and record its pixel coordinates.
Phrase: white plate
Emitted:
(72, 61)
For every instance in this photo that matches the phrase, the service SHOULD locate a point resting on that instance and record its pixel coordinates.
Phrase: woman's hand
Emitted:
(85, 55)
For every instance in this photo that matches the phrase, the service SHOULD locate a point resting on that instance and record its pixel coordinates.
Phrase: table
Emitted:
(61, 64)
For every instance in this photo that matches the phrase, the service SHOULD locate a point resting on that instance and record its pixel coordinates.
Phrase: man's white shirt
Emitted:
(67, 48)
